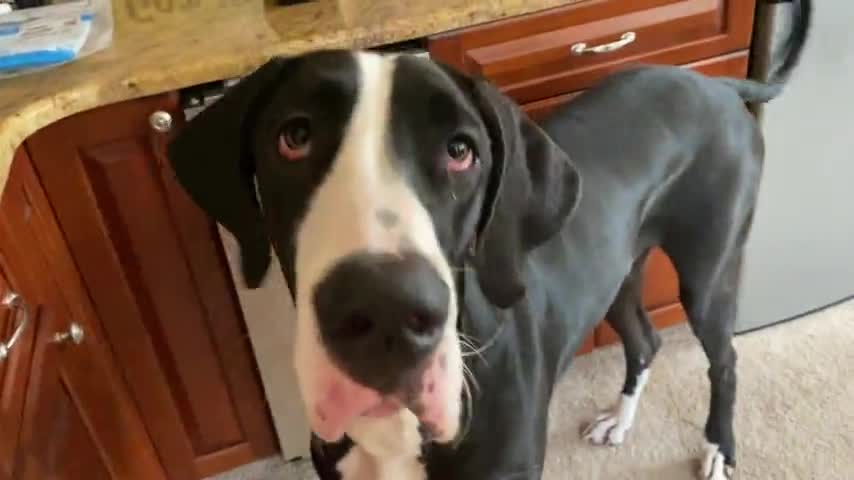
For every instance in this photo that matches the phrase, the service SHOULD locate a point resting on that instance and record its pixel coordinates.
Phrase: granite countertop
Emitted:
(163, 45)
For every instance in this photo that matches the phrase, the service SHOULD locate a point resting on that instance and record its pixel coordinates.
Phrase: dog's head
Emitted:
(375, 178)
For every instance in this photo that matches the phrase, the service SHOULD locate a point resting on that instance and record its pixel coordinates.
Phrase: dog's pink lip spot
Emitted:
(344, 400)
(387, 407)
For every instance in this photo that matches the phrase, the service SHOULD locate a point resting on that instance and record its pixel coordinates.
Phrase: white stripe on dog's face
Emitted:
(363, 205)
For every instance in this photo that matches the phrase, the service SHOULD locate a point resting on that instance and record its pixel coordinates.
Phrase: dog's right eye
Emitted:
(459, 156)
(295, 139)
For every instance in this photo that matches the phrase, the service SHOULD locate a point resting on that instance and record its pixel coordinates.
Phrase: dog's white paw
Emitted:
(714, 465)
(610, 427)
(607, 429)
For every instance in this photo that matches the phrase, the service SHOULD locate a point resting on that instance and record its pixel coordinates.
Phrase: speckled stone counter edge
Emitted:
(134, 68)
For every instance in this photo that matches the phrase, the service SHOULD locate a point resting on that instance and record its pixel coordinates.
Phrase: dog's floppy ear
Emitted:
(532, 190)
(213, 161)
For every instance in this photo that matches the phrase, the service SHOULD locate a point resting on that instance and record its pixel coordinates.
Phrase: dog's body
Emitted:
(522, 253)
(690, 200)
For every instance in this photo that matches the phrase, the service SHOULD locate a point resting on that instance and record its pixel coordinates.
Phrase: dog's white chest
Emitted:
(386, 449)
(359, 465)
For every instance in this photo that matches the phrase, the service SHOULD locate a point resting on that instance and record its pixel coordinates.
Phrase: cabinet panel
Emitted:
(539, 110)
(127, 187)
(70, 451)
(154, 267)
(59, 439)
(79, 420)
(588, 345)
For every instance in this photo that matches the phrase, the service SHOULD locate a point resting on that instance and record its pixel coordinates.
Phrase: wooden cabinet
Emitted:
(65, 412)
(543, 60)
(537, 56)
(153, 265)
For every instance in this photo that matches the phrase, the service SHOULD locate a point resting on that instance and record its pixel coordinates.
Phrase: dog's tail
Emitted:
(759, 92)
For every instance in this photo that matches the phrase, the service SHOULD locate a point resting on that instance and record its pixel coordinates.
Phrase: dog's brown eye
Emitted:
(460, 156)
(295, 139)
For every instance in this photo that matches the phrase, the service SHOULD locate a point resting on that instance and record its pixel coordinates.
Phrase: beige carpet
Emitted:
(795, 414)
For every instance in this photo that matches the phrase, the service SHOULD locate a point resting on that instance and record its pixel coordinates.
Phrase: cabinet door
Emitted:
(14, 371)
(154, 266)
(78, 419)
(15, 363)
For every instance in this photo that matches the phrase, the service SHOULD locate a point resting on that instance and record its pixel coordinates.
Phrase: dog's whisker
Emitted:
(469, 342)
(468, 373)
(470, 350)
(468, 413)
(461, 269)
(465, 342)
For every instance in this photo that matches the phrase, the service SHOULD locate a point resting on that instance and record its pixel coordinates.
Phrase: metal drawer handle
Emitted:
(581, 48)
(13, 301)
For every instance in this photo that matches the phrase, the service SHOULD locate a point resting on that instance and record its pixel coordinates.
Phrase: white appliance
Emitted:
(800, 255)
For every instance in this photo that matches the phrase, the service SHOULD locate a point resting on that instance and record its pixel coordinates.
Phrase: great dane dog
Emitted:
(436, 239)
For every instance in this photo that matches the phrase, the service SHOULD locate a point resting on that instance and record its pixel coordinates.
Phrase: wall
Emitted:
(271, 320)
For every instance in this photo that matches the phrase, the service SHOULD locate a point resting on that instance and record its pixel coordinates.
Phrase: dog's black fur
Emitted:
(652, 156)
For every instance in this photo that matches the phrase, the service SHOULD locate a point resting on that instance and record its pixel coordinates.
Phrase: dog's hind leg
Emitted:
(640, 343)
(709, 275)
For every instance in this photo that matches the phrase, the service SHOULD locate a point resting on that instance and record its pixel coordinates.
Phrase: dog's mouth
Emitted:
(344, 400)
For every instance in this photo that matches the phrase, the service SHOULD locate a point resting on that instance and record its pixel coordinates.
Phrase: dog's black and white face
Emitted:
(375, 178)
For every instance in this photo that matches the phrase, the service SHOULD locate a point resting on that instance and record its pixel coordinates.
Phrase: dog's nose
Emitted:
(381, 315)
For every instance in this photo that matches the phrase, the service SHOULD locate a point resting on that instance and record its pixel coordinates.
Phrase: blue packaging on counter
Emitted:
(33, 39)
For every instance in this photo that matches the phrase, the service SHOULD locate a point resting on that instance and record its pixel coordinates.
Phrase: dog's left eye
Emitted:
(295, 139)
(459, 156)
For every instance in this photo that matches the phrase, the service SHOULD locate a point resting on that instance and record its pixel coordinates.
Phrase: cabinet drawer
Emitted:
(730, 65)
(531, 57)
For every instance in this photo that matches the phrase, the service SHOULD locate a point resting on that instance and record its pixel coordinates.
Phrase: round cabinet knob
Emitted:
(160, 121)
(75, 335)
